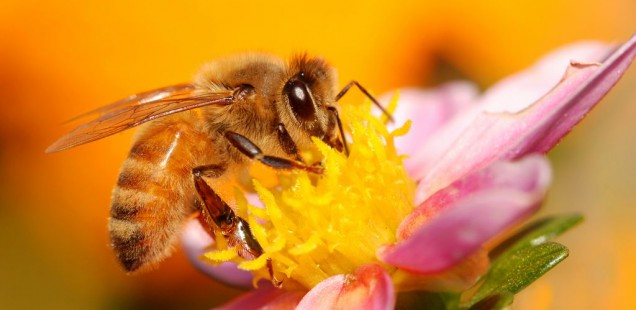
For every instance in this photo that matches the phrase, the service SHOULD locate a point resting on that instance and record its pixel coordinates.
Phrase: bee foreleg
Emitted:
(247, 147)
(366, 93)
(286, 142)
(342, 135)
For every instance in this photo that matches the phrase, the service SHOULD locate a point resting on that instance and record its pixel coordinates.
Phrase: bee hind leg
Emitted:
(214, 208)
(251, 150)
(233, 227)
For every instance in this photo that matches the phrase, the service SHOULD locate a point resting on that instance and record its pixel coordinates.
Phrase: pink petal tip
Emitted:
(370, 287)
(266, 297)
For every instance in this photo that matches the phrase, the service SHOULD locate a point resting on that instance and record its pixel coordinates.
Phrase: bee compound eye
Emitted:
(300, 100)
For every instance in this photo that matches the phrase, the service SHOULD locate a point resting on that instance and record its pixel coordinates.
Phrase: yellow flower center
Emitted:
(317, 226)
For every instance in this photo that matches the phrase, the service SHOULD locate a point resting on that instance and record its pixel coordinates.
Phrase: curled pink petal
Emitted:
(434, 109)
(499, 135)
(477, 209)
(370, 287)
(579, 101)
(266, 297)
(519, 91)
(196, 242)
(428, 111)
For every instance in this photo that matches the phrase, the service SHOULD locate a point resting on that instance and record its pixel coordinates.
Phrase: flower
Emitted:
(370, 227)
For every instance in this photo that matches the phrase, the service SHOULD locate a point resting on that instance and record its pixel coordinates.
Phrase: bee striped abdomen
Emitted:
(153, 197)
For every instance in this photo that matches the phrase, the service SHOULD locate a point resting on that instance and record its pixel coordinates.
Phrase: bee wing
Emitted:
(136, 99)
(138, 109)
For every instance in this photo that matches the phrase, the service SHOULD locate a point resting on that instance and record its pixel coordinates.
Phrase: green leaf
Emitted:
(538, 232)
(521, 259)
(515, 270)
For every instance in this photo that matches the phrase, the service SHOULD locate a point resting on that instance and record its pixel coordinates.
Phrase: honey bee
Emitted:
(245, 108)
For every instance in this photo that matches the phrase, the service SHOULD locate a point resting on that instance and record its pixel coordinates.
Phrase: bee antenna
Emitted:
(366, 93)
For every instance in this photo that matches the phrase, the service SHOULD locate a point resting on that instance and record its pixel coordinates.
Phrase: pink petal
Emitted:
(370, 287)
(428, 110)
(196, 242)
(519, 91)
(473, 140)
(267, 297)
(579, 101)
(477, 208)
(525, 175)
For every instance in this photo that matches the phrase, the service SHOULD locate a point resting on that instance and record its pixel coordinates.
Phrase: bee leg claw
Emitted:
(277, 283)
(316, 168)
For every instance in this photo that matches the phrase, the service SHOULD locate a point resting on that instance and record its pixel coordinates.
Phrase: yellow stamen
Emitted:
(316, 226)
(221, 256)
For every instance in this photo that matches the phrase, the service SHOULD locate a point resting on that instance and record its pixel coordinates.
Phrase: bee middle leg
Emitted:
(233, 227)
(251, 150)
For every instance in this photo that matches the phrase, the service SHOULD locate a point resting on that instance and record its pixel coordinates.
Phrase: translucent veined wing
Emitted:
(136, 99)
(138, 109)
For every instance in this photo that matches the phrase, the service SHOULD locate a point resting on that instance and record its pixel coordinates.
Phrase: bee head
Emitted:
(308, 94)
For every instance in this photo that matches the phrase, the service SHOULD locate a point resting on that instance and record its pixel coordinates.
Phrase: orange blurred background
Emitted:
(59, 59)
